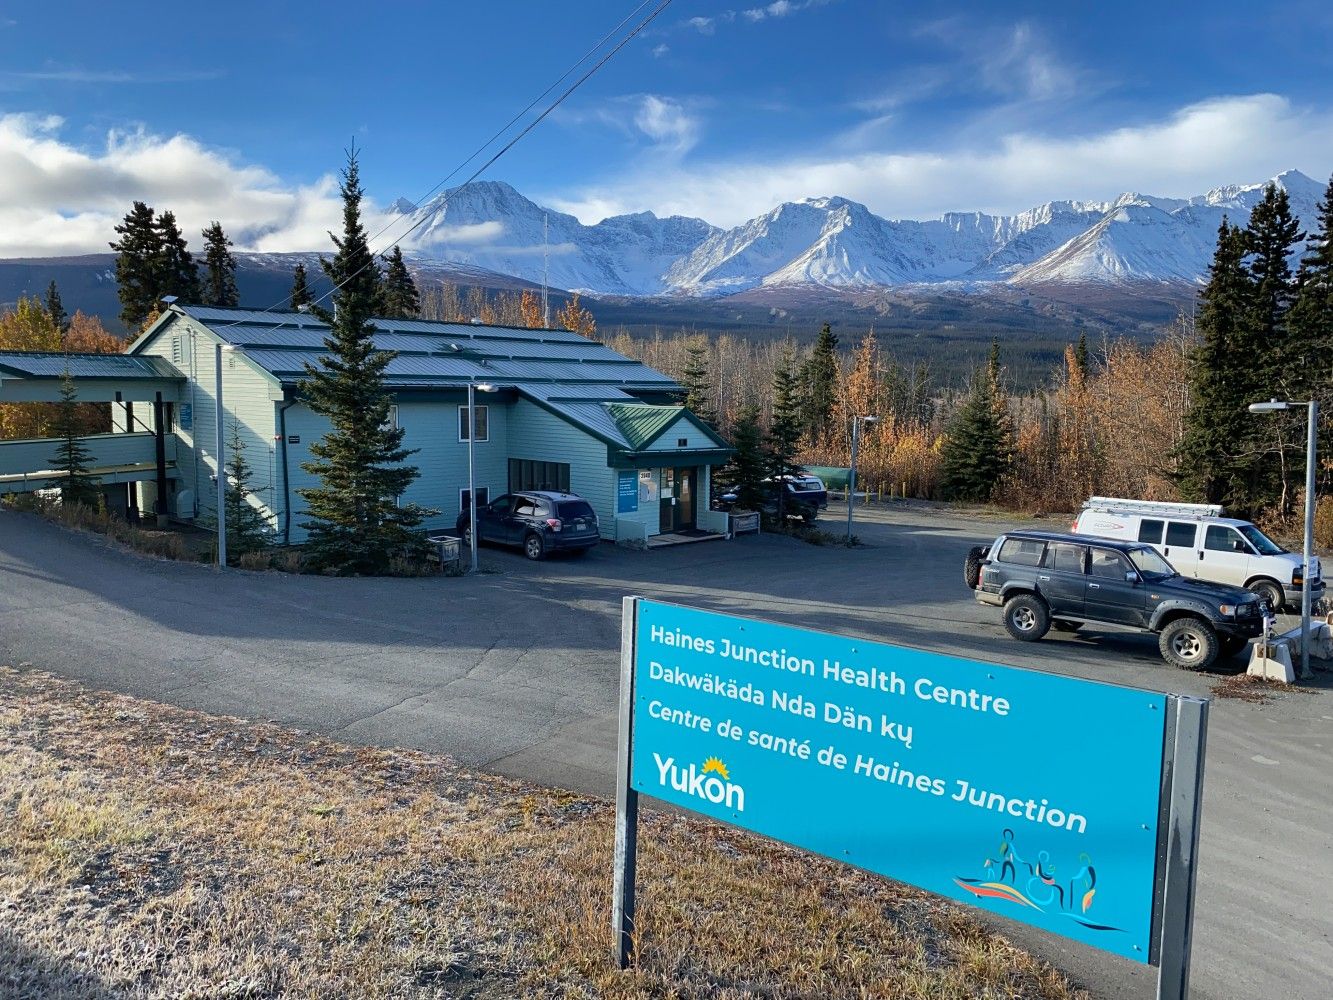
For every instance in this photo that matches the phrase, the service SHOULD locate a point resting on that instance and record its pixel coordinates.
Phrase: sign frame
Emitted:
(1177, 835)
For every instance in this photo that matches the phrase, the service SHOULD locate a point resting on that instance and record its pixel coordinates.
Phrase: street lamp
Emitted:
(1311, 433)
(851, 475)
(472, 389)
(219, 348)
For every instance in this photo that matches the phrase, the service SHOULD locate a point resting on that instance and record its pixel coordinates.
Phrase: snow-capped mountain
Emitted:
(836, 243)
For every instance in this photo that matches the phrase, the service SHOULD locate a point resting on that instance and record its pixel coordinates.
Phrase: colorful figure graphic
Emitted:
(1042, 890)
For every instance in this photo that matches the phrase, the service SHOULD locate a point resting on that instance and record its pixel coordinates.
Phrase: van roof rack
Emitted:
(1187, 510)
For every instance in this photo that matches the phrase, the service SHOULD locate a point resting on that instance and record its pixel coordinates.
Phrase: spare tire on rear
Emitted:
(972, 566)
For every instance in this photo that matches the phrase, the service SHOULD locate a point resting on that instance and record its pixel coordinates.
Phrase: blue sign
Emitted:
(627, 492)
(1023, 793)
(186, 418)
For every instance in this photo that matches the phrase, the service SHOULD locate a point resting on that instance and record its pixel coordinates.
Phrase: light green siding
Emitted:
(684, 428)
(536, 434)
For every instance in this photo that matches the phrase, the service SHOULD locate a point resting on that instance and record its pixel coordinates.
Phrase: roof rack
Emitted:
(1186, 510)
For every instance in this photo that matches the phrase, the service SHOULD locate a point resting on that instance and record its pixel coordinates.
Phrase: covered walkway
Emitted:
(140, 447)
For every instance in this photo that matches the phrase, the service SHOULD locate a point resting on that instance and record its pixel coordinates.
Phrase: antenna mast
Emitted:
(546, 266)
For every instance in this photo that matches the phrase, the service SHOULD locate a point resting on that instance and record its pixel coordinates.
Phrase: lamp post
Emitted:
(1311, 436)
(472, 389)
(851, 474)
(218, 350)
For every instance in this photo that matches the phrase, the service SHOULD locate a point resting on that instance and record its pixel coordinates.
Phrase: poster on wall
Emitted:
(627, 493)
(647, 486)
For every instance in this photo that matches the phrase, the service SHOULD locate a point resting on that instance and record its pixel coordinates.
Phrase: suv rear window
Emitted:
(1022, 551)
(574, 508)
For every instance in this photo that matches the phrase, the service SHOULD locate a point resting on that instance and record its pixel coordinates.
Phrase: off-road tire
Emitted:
(533, 547)
(1230, 646)
(972, 565)
(467, 537)
(1065, 625)
(1270, 591)
(1189, 643)
(1026, 617)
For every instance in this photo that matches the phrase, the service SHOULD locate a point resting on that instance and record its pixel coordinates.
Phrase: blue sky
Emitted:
(718, 111)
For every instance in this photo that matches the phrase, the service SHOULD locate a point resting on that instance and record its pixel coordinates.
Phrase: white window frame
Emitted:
(465, 424)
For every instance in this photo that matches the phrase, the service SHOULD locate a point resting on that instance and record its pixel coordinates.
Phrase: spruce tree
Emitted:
(697, 380)
(401, 300)
(1221, 380)
(56, 309)
(247, 528)
(977, 450)
(749, 465)
(356, 524)
(138, 257)
(177, 273)
(1081, 354)
(785, 430)
(300, 288)
(219, 288)
(71, 458)
(1311, 323)
(819, 377)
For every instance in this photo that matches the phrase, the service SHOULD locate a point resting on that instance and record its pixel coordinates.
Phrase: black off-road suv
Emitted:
(1045, 580)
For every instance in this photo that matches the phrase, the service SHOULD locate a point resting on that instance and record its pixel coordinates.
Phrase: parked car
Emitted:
(1045, 580)
(537, 521)
(1199, 542)
(806, 496)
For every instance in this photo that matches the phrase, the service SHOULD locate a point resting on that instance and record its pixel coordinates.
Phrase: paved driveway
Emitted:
(516, 670)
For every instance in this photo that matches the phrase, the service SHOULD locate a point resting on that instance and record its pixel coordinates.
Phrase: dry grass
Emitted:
(147, 851)
(1257, 690)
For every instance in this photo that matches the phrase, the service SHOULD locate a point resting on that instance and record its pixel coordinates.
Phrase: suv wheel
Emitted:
(1268, 590)
(1190, 643)
(972, 565)
(534, 547)
(1026, 617)
(467, 536)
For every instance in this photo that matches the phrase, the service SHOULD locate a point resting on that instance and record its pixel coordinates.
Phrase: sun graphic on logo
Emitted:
(714, 766)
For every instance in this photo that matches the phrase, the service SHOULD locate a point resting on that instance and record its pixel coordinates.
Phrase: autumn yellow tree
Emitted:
(531, 310)
(577, 319)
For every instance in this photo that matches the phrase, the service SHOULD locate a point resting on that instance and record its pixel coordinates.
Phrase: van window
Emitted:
(1022, 551)
(1181, 533)
(1150, 530)
(1064, 557)
(1220, 538)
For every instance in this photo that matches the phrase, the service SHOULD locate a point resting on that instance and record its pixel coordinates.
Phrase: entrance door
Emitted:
(686, 481)
(667, 516)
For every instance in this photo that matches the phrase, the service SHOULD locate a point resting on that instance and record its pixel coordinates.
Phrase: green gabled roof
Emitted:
(643, 423)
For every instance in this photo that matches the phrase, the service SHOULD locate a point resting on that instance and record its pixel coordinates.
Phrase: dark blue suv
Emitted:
(537, 521)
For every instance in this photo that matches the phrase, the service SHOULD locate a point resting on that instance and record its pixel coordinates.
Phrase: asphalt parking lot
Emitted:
(515, 670)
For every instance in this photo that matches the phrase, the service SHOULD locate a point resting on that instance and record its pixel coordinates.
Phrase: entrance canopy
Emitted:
(34, 377)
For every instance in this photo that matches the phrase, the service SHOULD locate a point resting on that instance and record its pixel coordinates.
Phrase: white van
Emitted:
(1199, 542)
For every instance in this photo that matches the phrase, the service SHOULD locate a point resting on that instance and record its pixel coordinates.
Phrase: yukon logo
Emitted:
(711, 782)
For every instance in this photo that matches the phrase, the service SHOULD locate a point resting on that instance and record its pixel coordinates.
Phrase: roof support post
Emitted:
(161, 441)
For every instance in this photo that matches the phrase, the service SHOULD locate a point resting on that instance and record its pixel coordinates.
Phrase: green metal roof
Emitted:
(53, 364)
(642, 423)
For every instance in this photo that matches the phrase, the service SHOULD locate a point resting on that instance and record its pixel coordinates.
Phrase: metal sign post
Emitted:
(627, 799)
(1179, 840)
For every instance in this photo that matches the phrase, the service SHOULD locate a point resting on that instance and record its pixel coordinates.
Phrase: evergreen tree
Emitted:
(401, 300)
(750, 464)
(356, 524)
(819, 378)
(56, 309)
(71, 458)
(1222, 381)
(698, 381)
(1311, 324)
(977, 450)
(300, 288)
(176, 272)
(138, 256)
(785, 430)
(247, 528)
(1081, 354)
(220, 280)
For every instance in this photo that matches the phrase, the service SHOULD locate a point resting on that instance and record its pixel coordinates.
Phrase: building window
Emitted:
(525, 474)
(464, 501)
(682, 442)
(482, 424)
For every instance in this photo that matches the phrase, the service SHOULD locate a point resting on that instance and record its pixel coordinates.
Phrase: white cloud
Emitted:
(468, 234)
(59, 198)
(660, 50)
(1223, 140)
(703, 25)
(1015, 60)
(667, 123)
